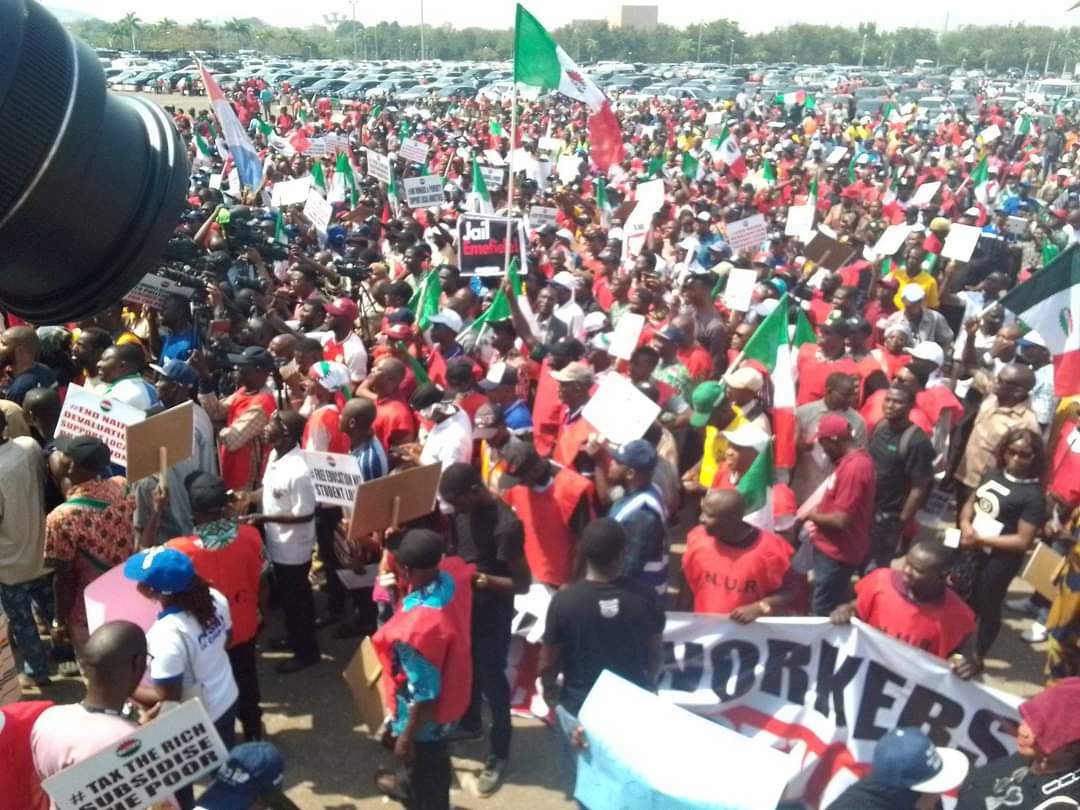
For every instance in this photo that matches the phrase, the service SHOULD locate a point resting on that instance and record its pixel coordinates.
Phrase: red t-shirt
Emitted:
(938, 627)
(697, 361)
(724, 577)
(323, 431)
(850, 490)
(234, 570)
(394, 422)
(814, 372)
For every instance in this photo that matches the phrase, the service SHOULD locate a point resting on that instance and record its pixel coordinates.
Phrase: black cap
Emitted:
(420, 548)
(425, 396)
(253, 357)
(206, 492)
(87, 452)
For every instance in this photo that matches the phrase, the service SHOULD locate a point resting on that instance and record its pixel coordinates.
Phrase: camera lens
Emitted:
(92, 183)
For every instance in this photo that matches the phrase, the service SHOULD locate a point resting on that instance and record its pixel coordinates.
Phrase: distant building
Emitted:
(641, 17)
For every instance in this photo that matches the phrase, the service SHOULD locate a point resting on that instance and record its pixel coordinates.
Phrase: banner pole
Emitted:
(510, 177)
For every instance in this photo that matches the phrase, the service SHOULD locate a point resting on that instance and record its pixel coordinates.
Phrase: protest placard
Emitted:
(481, 243)
(924, 194)
(421, 192)
(739, 289)
(170, 432)
(650, 195)
(645, 752)
(837, 154)
(568, 168)
(494, 176)
(961, 241)
(549, 144)
(413, 150)
(113, 597)
(891, 240)
(363, 676)
(1042, 570)
(215, 181)
(151, 291)
(715, 117)
(335, 475)
(619, 411)
(494, 157)
(747, 233)
(290, 192)
(318, 210)
(148, 766)
(800, 222)
(827, 252)
(1017, 226)
(624, 339)
(394, 499)
(10, 688)
(990, 134)
(87, 414)
(540, 215)
(378, 166)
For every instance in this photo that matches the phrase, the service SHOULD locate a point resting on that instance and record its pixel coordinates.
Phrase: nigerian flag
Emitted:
(602, 202)
(1024, 126)
(768, 172)
(425, 301)
(479, 188)
(344, 182)
(318, 179)
(279, 228)
(980, 179)
(691, 167)
(392, 195)
(495, 128)
(655, 166)
(756, 488)
(499, 309)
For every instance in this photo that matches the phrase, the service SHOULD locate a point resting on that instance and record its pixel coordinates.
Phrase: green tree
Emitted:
(240, 29)
(130, 25)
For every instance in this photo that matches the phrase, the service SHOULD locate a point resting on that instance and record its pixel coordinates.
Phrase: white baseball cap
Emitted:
(928, 350)
(449, 319)
(913, 294)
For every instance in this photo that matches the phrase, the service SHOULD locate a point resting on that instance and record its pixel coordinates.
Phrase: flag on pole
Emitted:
(768, 172)
(770, 346)
(344, 182)
(242, 150)
(540, 62)
(479, 189)
(1049, 303)
(279, 228)
(499, 309)
(730, 155)
(980, 181)
(602, 202)
(417, 367)
(392, 195)
(318, 179)
(654, 167)
(691, 167)
(813, 194)
(792, 99)
(756, 487)
(425, 301)
(1024, 127)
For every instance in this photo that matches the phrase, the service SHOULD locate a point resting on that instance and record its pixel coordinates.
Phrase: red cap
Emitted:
(343, 306)
(832, 426)
(1052, 714)
(398, 331)
(850, 193)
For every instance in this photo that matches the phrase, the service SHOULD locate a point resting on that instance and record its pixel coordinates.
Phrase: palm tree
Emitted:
(238, 27)
(129, 25)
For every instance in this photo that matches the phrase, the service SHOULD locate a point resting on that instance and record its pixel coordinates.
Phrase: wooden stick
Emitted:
(163, 468)
(395, 514)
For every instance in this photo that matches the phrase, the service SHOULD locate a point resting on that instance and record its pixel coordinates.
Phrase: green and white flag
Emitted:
(318, 178)
(756, 488)
(980, 180)
(279, 228)
(344, 182)
(425, 301)
(479, 189)
(602, 202)
(692, 167)
(392, 194)
(499, 309)
(1024, 125)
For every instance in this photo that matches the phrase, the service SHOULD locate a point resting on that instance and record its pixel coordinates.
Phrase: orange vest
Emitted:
(571, 439)
(545, 516)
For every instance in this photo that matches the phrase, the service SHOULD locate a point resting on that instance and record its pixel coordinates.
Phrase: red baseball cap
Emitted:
(342, 306)
(832, 426)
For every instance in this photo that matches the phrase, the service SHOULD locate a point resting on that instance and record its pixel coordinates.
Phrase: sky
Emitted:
(753, 17)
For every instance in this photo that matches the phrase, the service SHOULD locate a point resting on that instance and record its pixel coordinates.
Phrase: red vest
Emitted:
(547, 411)
(571, 439)
(549, 545)
(21, 786)
(443, 637)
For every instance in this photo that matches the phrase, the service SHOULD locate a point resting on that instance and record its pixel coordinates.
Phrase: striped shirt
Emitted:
(372, 460)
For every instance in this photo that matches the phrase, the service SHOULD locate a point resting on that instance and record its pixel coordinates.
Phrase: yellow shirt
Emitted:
(923, 279)
(716, 446)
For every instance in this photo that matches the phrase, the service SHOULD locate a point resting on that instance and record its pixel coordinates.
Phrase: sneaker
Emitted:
(1022, 605)
(491, 777)
(1035, 634)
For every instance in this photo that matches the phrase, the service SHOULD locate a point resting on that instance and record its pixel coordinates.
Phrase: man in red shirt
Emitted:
(230, 557)
(394, 421)
(732, 567)
(817, 361)
(916, 605)
(839, 523)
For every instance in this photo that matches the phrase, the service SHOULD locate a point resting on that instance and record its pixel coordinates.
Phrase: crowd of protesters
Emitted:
(921, 406)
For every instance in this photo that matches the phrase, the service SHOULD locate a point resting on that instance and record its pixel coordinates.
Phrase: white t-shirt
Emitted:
(287, 489)
(354, 353)
(179, 646)
(137, 393)
(450, 441)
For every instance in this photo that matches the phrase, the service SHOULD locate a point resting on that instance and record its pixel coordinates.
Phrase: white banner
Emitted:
(421, 192)
(540, 215)
(413, 150)
(378, 166)
(494, 176)
(290, 192)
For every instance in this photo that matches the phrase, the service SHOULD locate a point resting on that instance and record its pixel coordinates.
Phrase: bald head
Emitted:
(1014, 383)
(357, 417)
(722, 513)
(19, 347)
(392, 368)
(114, 659)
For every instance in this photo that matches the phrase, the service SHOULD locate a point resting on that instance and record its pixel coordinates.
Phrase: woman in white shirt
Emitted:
(187, 644)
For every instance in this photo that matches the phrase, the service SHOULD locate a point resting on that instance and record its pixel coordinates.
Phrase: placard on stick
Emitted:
(363, 676)
(619, 411)
(739, 290)
(891, 240)
(171, 430)
(748, 233)
(961, 242)
(827, 252)
(152, 291)
(394, 499)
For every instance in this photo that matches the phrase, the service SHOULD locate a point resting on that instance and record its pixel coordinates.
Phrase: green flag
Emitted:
(851, 176)
(810, 104)
(263, 127)
(655, 166)
(318, 179)
(499, 309)
(495, 128)
(1024, 127)
(813, 191)
(302, 115)
(279, 228)
(755, 487)
(202, 145)
(344, 182)
(417, 367)
(602, 202)
(691, 166)
(425, 301)
(392, 195)
(768, 172)
(804, 332)
(479, 187)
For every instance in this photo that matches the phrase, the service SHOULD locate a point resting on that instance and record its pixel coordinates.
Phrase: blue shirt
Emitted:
(177, 347)
(37, 376)
(518, 417)
(372, 459)
(423, 681)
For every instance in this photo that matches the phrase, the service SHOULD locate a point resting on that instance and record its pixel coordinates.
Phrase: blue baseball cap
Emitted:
(254, 771)
(177, 371)
(907, 758)
(166, 570)
(637, 455)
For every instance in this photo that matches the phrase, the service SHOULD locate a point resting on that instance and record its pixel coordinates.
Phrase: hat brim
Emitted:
(435, 319)
(242, 361)
(699, 419)
(954, 770)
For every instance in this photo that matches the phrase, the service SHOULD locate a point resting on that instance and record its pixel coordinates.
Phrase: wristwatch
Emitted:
(481, 581)
(765, 607)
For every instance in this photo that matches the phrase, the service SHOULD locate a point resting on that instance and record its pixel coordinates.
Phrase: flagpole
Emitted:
(510, 177)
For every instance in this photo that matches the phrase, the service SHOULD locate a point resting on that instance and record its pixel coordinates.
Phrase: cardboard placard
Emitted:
(716, 117)
(148, 766)
(318, 210)
(961, 241)
(568, 168)
(800, 221)
(540, 215)
(421, 192)
(494, 176)
(373, 508)
(172, 430)
(836, 155)
(827, 252)
(494, 157)
(748, 233)
(378, 166)
(624, 339)
(87, 414)
(335, 475)
(481, 243)
(215, 181)
(1042, 570)
(650, 195)
(739, 289)
(363, 676)
(891, 240)
(152, 291)
(290, 192)
(413, 150)
(924, 194)
(619, 411)
(990, 134)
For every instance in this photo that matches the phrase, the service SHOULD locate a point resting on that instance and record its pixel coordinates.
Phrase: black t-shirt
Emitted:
(1009, 500)
(491, 537)
(866, 794)
(602, 625)
(37, 376)
(896, 473)
(1007, 784)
